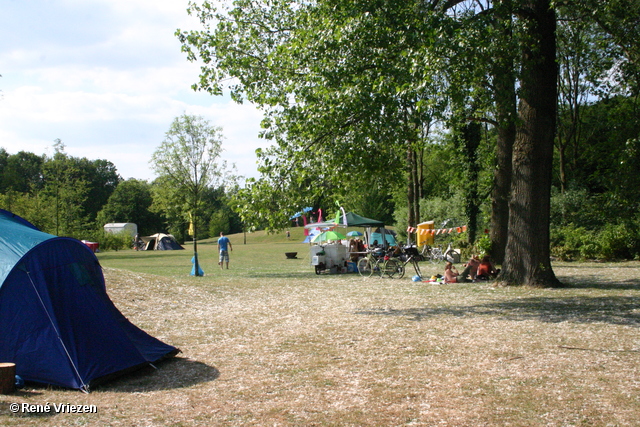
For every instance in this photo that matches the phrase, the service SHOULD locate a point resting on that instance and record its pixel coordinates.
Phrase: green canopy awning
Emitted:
(355, 220)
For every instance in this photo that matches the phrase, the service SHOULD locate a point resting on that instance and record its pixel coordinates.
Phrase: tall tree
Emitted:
(102, 178)
(336, 80)
(66, 189)
(188, 161)
(337, 76)
(22, 172)
(130, 202)
(527, 259)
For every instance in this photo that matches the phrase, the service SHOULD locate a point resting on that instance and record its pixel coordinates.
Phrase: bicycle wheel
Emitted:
(402, 269)
(377, 267)
(392, 267)
(364, 267)
(416, 267)
(452, 256)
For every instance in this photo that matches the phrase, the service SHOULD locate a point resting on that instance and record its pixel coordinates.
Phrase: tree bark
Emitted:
(527, 257)
(471, 135)
(504, 80)
(412, 188)
(506, 113)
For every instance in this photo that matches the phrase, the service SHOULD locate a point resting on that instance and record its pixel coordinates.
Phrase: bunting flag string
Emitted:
(436, 232)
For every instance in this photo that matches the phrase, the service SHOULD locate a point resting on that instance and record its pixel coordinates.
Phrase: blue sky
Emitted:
(107, 78)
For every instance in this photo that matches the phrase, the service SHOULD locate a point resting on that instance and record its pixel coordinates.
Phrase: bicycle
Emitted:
(378, 261)
(437, 255)
(433, 254)
(408, 255)
(372, 262)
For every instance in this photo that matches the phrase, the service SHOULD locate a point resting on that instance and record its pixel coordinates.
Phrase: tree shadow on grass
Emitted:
(598, 282)
(616, 310)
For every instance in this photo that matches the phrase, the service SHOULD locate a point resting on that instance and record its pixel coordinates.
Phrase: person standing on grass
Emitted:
(224, 245)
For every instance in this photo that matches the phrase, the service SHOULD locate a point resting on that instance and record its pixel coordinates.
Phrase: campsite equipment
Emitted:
(160, 242)
(193, 269)
(331, 258)
(328, 235)
(425, 233)
(384, 237)
(315, 228)
(57, 323)
(119, 227)
(355, 220)
(337, 262)
(19, 384)
(7, 378)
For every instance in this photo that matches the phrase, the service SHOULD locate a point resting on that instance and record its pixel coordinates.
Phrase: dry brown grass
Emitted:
(347, 351)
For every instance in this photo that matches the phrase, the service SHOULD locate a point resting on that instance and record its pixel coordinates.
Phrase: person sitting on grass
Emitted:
(470, 270)
(486, 270)
(450, 273)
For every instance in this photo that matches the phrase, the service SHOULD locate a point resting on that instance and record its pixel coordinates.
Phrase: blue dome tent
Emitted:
(57, 323)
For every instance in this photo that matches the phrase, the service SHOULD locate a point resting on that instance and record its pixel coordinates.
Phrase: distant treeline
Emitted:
(75, 197)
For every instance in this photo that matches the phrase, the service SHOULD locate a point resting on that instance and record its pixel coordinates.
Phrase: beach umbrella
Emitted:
(328, 235)
(354, 234)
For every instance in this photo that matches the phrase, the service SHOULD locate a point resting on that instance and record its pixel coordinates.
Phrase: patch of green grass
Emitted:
(263, 255)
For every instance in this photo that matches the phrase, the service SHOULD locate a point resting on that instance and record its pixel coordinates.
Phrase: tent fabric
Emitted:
(160, 242)
(355, 220)
(388, 237)
(57, 323)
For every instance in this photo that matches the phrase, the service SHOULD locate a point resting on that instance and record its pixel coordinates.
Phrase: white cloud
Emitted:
(107, 77)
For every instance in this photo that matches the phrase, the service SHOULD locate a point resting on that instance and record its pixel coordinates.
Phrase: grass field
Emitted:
(270, 343)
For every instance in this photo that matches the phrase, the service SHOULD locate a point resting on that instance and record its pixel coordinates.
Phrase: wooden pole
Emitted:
(7, 378)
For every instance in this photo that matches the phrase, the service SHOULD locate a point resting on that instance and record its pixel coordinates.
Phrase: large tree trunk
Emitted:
(527, 257)
(503, 73)
(414, 187)
(471, 135)
(506, 112)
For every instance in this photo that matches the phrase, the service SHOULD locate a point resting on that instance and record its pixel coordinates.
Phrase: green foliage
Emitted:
(113, 241)
(620, 241)
(445, 212)
(611, 242)
(66, 189)
(336, 83)
(483, 245)
(567, 242)
(60, 194)
(187, 163)
(21, 172)
(131, 202)
(220, 222)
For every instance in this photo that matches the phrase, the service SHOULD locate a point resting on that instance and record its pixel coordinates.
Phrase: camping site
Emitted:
(269, 342)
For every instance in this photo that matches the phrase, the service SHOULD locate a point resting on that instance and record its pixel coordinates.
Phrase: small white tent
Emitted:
(117, 227)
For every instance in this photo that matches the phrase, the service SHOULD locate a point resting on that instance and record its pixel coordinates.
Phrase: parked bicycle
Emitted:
(437, 254)
(397, 266)
(371, 263)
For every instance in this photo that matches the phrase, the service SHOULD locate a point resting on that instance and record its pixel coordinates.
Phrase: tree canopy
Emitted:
(354, 90)
(187, 163)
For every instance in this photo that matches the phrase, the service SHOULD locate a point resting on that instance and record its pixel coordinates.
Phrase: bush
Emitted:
(611, 242)
(114, 241)
(619, 241)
